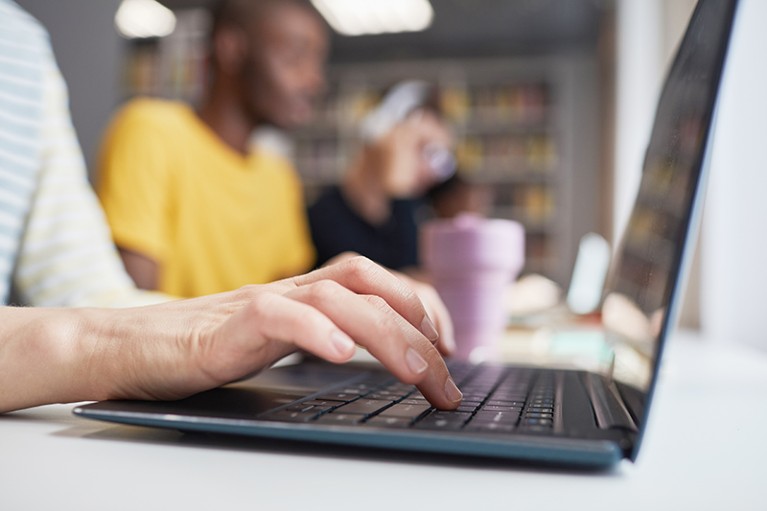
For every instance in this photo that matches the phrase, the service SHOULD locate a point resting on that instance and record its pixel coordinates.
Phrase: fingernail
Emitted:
(452, 392)
(341, 342)
(427, 327)
(415, 362)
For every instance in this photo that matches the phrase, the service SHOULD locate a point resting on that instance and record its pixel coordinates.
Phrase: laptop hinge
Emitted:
(608, 406)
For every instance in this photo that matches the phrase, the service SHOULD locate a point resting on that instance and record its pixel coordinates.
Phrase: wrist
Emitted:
(44, 356)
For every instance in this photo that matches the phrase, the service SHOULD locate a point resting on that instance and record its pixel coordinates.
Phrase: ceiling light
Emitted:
(360, 17)
(144, 18)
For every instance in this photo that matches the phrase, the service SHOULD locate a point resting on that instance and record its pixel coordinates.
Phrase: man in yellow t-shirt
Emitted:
(211, 218)
(193, 208)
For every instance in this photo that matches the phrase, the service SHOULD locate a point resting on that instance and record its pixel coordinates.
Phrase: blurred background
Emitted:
(552, 102)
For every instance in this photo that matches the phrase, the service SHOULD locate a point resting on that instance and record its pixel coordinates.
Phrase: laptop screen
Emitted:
(641, 294)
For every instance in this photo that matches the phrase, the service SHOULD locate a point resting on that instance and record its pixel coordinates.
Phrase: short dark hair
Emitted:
(240, 12)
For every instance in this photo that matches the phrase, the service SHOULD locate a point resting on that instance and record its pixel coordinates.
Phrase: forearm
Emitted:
(52, 355)
(44, 357)
(142, 269)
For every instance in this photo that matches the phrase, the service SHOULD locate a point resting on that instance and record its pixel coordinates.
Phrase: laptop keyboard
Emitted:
(495, 399)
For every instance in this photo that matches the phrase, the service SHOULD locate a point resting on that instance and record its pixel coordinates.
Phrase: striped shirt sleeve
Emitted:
(66, 256)
(20, 109)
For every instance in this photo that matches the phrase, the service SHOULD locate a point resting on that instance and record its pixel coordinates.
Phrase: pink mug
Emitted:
(471, 260)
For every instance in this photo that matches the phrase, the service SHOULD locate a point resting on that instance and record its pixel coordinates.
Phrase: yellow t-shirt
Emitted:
(212, 219)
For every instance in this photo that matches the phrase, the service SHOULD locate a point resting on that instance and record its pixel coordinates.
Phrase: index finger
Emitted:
(362, 276)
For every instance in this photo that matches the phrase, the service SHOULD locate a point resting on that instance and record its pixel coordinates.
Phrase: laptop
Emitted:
(578, 417)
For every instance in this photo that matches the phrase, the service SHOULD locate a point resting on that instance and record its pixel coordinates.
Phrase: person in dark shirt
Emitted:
(376, 209)
(337, 227)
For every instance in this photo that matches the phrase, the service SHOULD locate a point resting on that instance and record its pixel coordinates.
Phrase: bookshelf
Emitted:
(173, 67)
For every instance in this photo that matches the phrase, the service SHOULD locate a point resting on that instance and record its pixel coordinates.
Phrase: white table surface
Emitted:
(51, 460)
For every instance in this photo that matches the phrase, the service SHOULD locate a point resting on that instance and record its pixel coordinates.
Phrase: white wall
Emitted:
(89, 53)
(648, 33)
(734, 237)
(639, 73)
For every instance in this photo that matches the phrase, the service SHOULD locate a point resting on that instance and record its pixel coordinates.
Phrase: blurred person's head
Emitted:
(269, 56)
(408, 140)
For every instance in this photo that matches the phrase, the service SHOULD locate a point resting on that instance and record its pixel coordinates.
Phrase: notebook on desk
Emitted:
(581, 417)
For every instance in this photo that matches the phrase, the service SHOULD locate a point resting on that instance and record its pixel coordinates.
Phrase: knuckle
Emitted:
(385, 317)
(378, 302)
(259, 304)
(387, 328)
(248, 291)
(407, 286)
(410, 294)
(323, 290)
(360, 267)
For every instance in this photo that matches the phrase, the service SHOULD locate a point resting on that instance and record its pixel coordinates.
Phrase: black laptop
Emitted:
(589, 418)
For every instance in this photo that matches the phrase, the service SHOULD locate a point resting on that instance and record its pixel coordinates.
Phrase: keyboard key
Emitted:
(399, 388)
(339, 418)
(500, 417)
(539, 415)
(535, 429)
(320, 402)
(389, 397)
(537, 422)
(503, 402)
(443, 420)
(520, 398)
(290, 416)
(339, 396)
(530, 411)
(475, 396)
(441, 424)
(363, 406)
(405, 410)
(489, 427)
(355, 391)
(388, 422)
(494, 408)
(301, 407)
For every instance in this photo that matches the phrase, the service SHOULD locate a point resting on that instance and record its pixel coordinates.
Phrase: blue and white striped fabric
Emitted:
(55, 246)
(21, 111)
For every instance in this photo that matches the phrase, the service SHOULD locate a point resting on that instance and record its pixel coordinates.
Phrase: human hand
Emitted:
(394, 166)
(180, 348)
(432, 302)
(398, 157)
